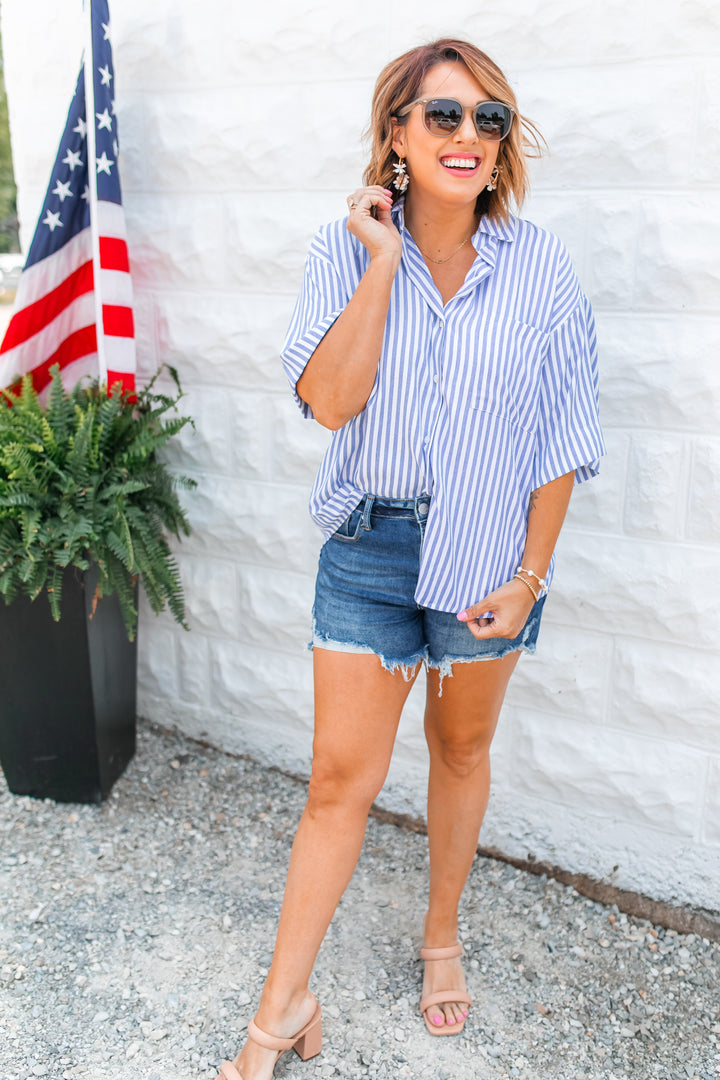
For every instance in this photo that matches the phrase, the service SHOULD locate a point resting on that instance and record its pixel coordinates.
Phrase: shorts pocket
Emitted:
(349, 531)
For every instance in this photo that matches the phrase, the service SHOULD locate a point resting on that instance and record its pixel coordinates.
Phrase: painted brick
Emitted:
(224, 339)
(193, 660)
(656, 490)
(157, 661)
(651, 590)
(704, 502)
(175, 240)
(712, 803)
(265, 237)
(248, 681)
(668, 691)
(660, 372)
(598, 504)
(568, 674)
(210, 594)
(297, 445)
(590, 154)
(274, 610)
(207, 444)
(166, 43)
(623, 777)
(677, 253)
(202, 139)
(263, 524)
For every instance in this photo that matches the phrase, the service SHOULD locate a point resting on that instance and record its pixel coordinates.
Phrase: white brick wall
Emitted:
(607, 759)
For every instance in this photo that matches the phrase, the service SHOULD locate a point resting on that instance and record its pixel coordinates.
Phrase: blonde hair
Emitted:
(400, 82)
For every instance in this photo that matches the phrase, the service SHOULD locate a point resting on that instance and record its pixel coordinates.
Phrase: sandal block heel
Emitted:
(309, 1045)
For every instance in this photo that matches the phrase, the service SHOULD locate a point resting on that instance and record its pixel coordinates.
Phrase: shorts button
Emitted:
(423, 508)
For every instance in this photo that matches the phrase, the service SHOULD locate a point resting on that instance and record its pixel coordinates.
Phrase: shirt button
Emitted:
(435, 379)
(423, 508)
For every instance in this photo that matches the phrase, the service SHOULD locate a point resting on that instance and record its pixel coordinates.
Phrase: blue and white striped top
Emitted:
(476, 403)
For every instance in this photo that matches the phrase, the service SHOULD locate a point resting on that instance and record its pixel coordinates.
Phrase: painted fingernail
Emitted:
(462, 615)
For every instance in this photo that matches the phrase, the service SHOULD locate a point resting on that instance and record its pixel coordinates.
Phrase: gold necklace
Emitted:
(447, 257)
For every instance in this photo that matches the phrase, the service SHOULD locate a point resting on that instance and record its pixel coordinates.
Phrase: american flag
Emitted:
(57, 310)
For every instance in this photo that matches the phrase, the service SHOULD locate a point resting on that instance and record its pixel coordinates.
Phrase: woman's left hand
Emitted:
(502, 613)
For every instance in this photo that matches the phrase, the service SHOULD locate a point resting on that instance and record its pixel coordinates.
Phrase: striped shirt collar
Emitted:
(486, 240)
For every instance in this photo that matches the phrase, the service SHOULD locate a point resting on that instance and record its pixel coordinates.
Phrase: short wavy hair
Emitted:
(399, 83)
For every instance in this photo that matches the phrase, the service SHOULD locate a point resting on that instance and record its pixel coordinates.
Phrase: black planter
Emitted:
(67, 694)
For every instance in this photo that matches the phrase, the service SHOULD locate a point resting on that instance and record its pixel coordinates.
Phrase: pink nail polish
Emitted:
(437, 1019)
(462, 616)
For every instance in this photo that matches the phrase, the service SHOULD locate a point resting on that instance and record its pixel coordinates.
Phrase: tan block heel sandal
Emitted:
(307, 1044)
(441, 997)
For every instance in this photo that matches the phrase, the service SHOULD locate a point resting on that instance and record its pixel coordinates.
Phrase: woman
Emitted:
(449, 347)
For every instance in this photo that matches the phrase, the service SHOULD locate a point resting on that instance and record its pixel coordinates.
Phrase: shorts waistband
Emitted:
(394, 504)
(417, 508)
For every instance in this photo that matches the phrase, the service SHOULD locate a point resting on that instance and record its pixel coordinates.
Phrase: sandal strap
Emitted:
(272, 1042)
(228, 1071)
(444, 996)
(442, 954)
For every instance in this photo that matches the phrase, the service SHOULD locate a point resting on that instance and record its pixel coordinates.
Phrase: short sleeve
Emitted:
(322, 299)
(569, 437)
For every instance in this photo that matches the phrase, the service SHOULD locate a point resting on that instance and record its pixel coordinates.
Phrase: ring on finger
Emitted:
(352, 204)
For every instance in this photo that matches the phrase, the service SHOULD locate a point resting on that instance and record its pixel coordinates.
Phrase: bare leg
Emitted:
(459, 727)
(357, 709)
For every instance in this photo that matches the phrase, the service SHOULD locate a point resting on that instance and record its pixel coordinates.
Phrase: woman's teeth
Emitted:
(459, 163)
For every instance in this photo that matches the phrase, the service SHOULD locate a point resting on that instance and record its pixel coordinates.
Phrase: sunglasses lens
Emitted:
(492, 121)
(442, 116)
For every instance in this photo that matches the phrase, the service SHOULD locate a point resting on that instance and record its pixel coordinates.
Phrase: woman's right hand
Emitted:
(378, 234)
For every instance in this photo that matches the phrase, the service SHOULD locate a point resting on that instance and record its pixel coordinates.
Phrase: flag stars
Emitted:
(104, 164)
(104, 120)
(52, 221)
(105, 75)
(106, 31)
(116, 148)
(86, 193)
(62, 191)
(72, 159)
(81, 128)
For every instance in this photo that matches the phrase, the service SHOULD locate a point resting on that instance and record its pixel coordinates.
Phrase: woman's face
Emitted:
(452, 170)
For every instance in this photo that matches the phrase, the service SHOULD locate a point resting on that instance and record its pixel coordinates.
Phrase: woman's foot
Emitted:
(442, 952)
(442, 976)
(255, 1062)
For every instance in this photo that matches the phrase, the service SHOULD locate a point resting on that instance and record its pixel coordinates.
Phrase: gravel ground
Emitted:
(134, 937)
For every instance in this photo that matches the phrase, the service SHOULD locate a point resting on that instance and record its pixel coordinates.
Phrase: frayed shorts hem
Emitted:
(407, 666)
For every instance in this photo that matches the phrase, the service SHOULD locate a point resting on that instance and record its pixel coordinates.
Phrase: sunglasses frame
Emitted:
(465, 108)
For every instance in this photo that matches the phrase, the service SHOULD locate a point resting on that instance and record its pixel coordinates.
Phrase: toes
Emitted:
(449, 1014)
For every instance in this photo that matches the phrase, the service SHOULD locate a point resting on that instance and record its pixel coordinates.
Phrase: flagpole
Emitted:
(92, 190)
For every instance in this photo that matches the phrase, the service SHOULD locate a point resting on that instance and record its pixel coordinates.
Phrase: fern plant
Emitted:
(81, 482)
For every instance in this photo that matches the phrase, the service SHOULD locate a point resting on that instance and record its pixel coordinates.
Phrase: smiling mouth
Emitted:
(460, 164)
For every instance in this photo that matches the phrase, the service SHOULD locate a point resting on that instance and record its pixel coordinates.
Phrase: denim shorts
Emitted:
(365, 589)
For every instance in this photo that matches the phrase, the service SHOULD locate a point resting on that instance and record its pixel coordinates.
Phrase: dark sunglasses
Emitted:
(443, 116)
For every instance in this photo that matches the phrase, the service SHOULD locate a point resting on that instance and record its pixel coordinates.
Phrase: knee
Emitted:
(334, 788)
(460, 757)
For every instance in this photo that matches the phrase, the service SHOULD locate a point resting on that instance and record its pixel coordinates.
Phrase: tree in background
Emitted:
(8, 192)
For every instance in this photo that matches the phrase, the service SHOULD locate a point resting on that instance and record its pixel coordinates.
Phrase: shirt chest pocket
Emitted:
(507, 377)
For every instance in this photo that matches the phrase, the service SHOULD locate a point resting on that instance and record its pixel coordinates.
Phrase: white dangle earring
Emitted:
(492, 182)
(402, 179)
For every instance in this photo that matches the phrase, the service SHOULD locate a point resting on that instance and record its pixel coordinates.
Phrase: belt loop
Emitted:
(367, 510)
(419, 500)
